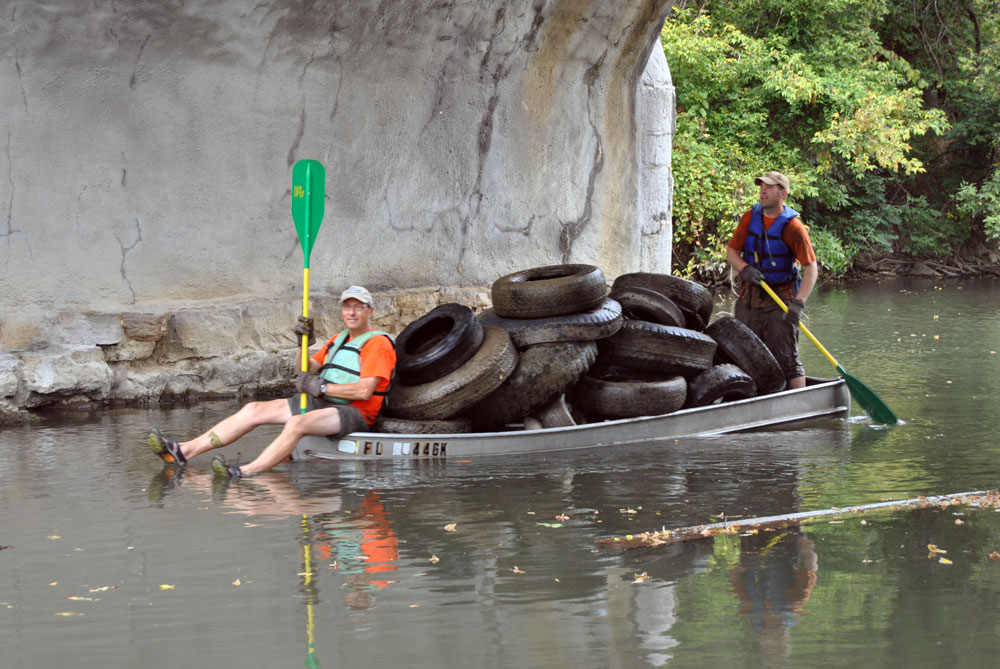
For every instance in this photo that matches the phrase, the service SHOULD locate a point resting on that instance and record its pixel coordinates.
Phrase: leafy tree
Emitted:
(955, 44)
(802, 86)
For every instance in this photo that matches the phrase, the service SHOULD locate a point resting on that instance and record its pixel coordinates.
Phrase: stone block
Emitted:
(66, 372)
(129, 351)
(9, 367)
(144, 327)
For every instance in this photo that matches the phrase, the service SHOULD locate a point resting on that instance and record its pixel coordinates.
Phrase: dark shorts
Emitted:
(351, 419)
(768, 323)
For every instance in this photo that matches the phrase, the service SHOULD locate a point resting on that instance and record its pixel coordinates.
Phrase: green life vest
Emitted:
(343, 361)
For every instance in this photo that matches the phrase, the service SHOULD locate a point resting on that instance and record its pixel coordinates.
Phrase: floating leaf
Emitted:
(562, 516)
(237, 582)
(641, 577)
(54, 536)
(103, 588)
(83, 599)
(959, 521)
(69, 613)
(945, 561)
(994, 556)
(434, 559)
(517, 570)
(550, 524)
(54, 583)
(450, 527)
(166, 587)
(934, 549)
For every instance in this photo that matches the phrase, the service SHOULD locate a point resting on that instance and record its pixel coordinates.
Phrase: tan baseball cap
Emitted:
(358, 293)
(773, 178)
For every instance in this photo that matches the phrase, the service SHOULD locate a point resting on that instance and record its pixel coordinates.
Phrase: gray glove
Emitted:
(308, 384)
(795, 307)
(304, 326)
(751, 274)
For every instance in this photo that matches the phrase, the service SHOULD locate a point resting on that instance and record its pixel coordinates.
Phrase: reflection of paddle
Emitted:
(308, 183)
(307, 575)
(866, 397)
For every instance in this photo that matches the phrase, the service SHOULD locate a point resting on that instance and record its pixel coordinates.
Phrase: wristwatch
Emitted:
(322, 388)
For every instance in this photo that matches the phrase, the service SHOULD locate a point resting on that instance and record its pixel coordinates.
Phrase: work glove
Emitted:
(308, 383)
(751, 274)
(795, 307)
(304, 326)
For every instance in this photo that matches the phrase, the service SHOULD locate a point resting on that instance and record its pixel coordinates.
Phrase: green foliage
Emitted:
(830, 251)
(927, 232)
(982, 205)
(814, 90)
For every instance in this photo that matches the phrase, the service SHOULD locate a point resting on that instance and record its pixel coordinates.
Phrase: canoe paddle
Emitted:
(308, 184)
(873, 405)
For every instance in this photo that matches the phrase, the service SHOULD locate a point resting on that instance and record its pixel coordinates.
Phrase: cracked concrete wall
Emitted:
(147, 147)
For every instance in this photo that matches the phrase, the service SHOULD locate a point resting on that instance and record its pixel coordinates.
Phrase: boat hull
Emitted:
(821, 398)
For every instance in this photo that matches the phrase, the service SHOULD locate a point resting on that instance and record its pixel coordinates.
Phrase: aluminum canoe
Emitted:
(819, 399)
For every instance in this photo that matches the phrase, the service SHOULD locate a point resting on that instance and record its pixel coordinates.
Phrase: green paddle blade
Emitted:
(869, 400)
(308, 197)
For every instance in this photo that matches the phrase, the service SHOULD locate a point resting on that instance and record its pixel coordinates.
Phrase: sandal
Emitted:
(168, 449)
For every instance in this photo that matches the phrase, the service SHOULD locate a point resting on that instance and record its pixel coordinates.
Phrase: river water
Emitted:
(110, 562)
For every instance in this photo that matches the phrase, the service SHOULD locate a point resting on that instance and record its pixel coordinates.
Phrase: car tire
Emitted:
(554, 290)
(737, 344)
(615, 397)
(721, 383)
(437, 343)
(458, 425)
(659, 348)
(690, 296)
(455, 392)
(598, 323)
(645, 304)
(543, 372)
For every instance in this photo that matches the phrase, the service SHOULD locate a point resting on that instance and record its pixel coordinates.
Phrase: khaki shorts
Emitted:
(351, 419)
(781, 338)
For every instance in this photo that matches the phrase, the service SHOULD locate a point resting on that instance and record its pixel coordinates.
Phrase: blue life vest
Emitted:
(343, 361)
(767, 251)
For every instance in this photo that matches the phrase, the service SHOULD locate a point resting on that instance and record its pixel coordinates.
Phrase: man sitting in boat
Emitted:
(347, 382)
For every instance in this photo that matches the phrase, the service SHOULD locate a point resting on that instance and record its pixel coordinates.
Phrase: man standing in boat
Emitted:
(769, 240)
(347, 382)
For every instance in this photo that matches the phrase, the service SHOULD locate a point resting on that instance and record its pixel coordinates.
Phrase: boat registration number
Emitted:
(416, 449)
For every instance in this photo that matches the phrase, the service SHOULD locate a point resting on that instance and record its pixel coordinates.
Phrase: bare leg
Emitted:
(254, 414)
(320, 422)
(797, 382)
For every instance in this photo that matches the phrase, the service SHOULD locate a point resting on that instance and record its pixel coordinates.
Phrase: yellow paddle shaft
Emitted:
(784, 307)
(305, 338)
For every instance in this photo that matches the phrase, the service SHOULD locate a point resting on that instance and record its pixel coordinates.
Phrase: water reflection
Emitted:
(359, 543)
(334, 560)
(775, 576)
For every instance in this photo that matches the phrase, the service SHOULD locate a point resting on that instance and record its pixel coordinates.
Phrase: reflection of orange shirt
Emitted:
(378, 542)
(378, 359)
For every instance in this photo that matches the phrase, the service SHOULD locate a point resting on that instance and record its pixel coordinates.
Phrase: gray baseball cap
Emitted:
(358, 293)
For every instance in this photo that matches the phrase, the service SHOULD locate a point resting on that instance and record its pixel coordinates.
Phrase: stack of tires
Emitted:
(446, 362)
(554, 334)
(664, 345)
(654, 363)
(536, 342)
(554, 315)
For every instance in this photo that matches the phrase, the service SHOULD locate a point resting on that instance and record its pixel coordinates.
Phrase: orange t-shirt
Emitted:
(795, 235)
(378, 359)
